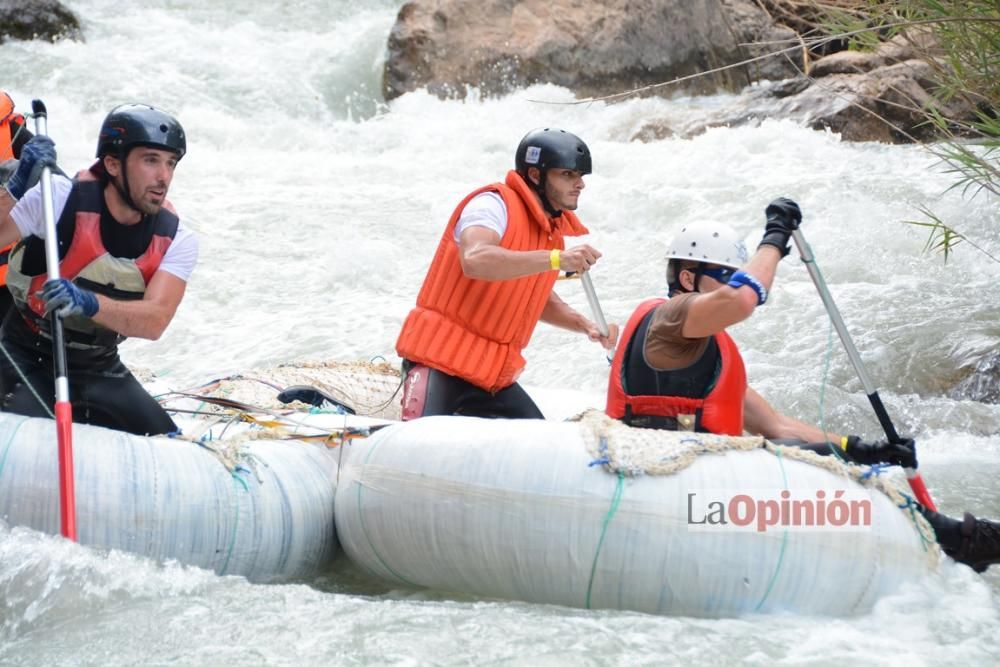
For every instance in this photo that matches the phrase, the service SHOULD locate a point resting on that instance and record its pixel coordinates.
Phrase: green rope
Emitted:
(236, 525)
(784, 540)
(910, 506)
(364, 529)
(824, 380)
(615, 501)
(825, 375)
(10, 440)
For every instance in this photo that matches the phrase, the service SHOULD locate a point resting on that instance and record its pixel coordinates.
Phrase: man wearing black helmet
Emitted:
(124, 265)
(491, 282)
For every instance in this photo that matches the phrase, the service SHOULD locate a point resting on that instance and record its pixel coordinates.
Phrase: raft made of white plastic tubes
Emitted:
(549, 512)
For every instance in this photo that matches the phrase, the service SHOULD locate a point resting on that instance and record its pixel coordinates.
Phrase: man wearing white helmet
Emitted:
(678, 369)
(672, 350)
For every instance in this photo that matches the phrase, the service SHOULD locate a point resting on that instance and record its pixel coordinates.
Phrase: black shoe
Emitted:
(980, 546)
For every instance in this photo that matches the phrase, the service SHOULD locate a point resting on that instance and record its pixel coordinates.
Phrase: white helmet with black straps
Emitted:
(708, 242)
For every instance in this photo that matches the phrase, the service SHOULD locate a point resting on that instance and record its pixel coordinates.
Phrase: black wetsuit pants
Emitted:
(427, 391)
(106, 395)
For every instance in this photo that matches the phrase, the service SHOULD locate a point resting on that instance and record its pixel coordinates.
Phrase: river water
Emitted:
(319, 207)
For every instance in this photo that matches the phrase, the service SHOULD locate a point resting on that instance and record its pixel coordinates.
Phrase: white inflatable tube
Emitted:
(168, 499)
(514, 509)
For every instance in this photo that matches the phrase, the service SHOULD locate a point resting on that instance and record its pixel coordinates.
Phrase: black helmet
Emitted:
(131, 125)
(551, 148)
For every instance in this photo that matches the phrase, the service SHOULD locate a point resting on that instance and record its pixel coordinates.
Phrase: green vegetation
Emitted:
(960, 40)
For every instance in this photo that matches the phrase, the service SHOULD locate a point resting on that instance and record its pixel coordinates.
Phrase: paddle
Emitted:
(595, 306)
(912, 476)
(64, 410)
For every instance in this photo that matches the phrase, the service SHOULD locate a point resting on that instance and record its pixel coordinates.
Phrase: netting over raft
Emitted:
(622, 449)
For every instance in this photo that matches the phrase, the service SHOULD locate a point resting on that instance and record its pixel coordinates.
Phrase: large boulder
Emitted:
(983, 383)
(883, 104)
(37, 19)
(593, 47)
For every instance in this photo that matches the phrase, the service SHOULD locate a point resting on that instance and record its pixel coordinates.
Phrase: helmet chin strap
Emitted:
(677, 287)
(698, 273)
(540, 189)
(123, 192)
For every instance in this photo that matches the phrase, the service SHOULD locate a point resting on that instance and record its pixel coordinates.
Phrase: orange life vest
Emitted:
(10, 122)
(476, 329)
(4, 259)
(721, 411)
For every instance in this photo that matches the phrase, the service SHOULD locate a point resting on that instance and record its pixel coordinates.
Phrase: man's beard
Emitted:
(138, 203)
(147, 208)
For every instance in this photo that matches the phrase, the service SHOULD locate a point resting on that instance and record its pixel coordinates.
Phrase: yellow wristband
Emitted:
(554, 259)
(843, 442)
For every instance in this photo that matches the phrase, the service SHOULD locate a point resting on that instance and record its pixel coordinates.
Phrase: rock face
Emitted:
(872, 96)
(37, 19)
(607, 47)
(983, 384)
(593, 47)
(863, 97)
(881, 105)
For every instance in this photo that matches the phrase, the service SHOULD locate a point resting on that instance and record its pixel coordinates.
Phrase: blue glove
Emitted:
(783, 217)
(67, 299)
(36, 154)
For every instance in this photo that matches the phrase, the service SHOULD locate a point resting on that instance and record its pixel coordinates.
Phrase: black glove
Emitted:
(37, 153)
(902, 453)
(783, 217)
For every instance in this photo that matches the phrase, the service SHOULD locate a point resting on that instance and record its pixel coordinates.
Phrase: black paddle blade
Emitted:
(38, 107)
(313, 396)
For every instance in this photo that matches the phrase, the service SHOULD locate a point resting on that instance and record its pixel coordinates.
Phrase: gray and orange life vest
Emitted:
(719, 411)
(476, 329)
(88, 264)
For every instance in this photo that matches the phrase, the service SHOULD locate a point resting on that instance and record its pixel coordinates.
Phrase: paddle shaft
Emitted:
(916, 482)
(63, 408)
(595, 306)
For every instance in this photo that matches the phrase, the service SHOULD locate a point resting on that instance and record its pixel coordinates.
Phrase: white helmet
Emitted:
(708, 242)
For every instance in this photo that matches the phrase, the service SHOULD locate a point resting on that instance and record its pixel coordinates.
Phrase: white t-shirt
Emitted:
(28, 215)
(486, 209)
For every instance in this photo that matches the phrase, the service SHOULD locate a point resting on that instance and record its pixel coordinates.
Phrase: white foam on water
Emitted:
(319, 207)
